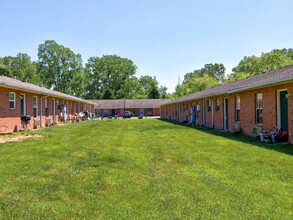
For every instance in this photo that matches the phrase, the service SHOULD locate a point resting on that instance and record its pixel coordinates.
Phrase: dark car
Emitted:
(126, 115)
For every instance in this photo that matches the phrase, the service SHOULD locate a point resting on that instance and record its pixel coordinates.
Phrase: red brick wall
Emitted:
(247, 110)
(10, 120)
(154, 112)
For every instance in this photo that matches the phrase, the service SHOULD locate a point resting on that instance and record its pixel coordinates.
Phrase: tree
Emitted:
(108, 94)
(153, 92)
(250, 66)
(214, 70)
(151, 86)
(21, 68)
(208, 76)
(163, 92)
(110, 72)
(196, 84)
(60, 68)
(4, 71)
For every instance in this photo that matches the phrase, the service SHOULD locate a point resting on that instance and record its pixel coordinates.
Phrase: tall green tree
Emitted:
(151, 86)
(250, 66)
(21, 67)
(163, 92)
(113, 73)
(196, 84)
(61, 69)
(208, 76)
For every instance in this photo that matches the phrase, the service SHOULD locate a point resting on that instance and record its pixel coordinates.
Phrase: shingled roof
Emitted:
(129, 103)
(274, 77)
(25, 86)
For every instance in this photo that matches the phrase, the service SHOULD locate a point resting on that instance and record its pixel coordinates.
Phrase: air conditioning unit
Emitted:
(256, 131)
(48, 121)
(236, 128)
(36, 123)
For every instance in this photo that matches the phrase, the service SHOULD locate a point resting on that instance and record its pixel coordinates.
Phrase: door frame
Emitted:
(226, 124)
(53, 110)
(24, 103)
(140, 111)
(279, 107)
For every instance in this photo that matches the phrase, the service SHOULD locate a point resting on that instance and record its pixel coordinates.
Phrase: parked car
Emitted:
(120, 114)
(106, 115)
(127, 115)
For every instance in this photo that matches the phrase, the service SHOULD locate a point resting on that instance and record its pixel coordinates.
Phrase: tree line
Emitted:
(214, 74)
(59, 68)
(113, 77)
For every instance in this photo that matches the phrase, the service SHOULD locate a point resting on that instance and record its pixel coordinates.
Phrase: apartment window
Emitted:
(35, 107)
(218, 105)
(237, 100)
(58, 106)
(259, 117)
(210, 105)
(149, 111)
(11, 100)
(133, 111)
(46, 107)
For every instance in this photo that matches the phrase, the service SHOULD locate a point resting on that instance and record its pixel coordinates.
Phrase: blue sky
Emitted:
(163, 38)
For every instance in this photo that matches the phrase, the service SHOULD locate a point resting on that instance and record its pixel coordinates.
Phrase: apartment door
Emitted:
(22, 108)
(141, 112)
(226, 124)
(53, 110)
(204, 114)
(284, 110)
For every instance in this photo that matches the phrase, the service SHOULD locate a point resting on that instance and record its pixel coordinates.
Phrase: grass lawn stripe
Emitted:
(142, 169)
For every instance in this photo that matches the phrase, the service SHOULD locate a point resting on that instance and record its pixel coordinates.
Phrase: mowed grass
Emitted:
(144, 169)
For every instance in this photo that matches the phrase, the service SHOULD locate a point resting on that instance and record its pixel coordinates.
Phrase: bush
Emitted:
(132, 114)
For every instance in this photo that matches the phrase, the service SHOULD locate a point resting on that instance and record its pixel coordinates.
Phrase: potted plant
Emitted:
(281, 136)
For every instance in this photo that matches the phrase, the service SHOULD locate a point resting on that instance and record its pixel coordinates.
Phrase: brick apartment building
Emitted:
(254, 104)
(140, 107)
(19, 99)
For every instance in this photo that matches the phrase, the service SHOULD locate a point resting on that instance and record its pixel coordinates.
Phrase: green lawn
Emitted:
(144, 169)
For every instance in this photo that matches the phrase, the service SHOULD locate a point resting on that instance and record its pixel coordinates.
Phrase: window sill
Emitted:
(12, 109)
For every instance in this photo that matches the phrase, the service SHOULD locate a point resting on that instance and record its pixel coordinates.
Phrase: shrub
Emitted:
(132, 114)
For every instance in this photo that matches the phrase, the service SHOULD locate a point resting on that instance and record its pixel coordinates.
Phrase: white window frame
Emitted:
(217, 105)
(35, 106)
(237, 99)
(10, 100)
(46, 107)
(257, 107)
(279, 107)
(209, 105)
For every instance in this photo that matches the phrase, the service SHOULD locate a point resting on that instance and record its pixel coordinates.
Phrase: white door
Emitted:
(141, 112)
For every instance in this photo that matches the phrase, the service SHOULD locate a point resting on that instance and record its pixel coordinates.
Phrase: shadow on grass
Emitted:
(280, 147)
